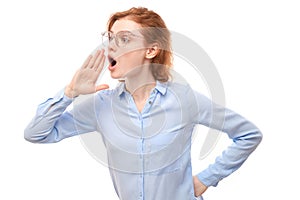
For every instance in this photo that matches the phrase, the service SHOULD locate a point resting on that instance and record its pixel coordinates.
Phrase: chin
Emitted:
(115, 76)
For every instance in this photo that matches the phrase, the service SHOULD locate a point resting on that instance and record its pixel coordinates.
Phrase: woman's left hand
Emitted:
(199, 187)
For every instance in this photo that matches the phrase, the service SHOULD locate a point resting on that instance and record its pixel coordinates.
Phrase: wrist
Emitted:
(69, 92)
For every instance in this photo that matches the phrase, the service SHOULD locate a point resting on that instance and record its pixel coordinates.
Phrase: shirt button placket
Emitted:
(141, 176)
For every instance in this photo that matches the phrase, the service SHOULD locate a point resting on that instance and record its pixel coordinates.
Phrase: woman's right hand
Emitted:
(84, 80)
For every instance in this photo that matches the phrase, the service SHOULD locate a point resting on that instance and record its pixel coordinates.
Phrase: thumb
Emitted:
(101, 87)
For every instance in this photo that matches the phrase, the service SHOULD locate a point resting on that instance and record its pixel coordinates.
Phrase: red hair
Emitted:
(154, 31)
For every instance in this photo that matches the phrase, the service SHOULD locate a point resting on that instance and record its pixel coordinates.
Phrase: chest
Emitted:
(144, 138)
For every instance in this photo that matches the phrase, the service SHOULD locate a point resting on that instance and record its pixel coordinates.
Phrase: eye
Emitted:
(124, 39)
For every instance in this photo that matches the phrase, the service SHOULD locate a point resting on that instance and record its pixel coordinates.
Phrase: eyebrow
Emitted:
(125, 30)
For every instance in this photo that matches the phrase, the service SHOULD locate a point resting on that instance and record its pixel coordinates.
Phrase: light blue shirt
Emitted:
(149, 151)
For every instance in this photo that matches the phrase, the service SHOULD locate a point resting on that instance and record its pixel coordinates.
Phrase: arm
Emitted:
(244, 134)
(51, 123)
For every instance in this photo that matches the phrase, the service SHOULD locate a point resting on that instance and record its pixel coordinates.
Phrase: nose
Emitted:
(112, 45)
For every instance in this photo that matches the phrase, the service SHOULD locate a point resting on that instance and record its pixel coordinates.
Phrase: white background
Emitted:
(254, 45)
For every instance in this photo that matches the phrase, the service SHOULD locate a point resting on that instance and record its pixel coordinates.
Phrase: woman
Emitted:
(146, 122)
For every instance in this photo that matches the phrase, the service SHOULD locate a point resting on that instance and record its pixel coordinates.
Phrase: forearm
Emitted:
(51, 123)
(244, 134)
(245, 138)
(42, 126)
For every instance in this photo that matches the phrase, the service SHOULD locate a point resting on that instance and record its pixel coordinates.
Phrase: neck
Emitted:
(140, 85)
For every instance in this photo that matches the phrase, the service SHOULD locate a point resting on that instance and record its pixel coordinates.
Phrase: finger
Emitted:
(101, 64)
(99, 60)
(93, 59)
(86, 62)
(102, 87)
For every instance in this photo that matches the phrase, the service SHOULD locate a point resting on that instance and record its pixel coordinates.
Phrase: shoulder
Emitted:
(178, 87)
(183, 91)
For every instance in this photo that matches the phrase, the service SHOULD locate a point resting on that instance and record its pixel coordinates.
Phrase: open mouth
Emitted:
(112, 61)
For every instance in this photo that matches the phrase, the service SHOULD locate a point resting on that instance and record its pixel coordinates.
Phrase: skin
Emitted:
(132, 66)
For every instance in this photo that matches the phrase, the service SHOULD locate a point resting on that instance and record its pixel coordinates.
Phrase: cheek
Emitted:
(134, 58)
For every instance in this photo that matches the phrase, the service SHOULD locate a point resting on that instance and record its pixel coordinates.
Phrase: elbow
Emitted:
(260, 137)
(28, 136)
(256, 138)
(35, 135)
(32, 136)
(250, 140)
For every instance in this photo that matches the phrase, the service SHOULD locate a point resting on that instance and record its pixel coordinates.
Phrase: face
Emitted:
(126, 54)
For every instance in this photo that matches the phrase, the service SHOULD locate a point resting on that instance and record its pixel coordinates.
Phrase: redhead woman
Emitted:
(146, 121)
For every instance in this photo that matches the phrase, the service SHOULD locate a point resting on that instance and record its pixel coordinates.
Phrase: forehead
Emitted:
(125, 25)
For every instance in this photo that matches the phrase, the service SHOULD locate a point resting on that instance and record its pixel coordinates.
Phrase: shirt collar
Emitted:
(160, 87)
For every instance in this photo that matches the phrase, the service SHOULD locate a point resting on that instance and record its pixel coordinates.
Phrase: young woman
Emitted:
(147, 121)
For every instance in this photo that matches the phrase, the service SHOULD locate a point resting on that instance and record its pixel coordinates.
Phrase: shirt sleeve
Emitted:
(245, 138)
(52, 122)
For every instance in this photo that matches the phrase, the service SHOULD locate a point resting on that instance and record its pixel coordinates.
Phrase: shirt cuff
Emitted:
(60, 100)
(208, 179)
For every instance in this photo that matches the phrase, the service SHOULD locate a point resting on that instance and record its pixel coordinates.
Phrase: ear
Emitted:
(152, 51)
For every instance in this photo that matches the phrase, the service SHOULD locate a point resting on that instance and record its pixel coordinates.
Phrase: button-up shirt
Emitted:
(149, 152)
